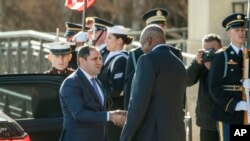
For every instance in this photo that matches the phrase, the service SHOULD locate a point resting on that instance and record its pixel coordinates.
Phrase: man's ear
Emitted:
(49, 57)
(81, 60)
(70, 56)
(149, 40)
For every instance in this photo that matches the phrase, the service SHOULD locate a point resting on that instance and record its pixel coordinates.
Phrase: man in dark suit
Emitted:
(83, 101)
(155, 16)
(155, 111)
(225, 76)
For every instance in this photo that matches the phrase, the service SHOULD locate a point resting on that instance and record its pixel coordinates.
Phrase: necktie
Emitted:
(96, 89)
(240, 54)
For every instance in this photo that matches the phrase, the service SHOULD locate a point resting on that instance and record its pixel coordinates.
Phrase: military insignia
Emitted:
(232, 52)
(231, 62)
(239, 17)
(159, 13)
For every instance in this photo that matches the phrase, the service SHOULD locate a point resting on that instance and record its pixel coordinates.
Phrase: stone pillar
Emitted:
(204, 17)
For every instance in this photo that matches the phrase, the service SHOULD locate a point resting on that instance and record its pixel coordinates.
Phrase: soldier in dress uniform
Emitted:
(155, 16)
(113, 71)
(79, 39)
(225, 76)
(60, 55)
(99, 31)
(75, 34)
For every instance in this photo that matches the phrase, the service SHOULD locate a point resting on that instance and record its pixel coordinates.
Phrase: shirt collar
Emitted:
(157, 46)
(102, 46)
(235, 48)
(111, 54)
(89, 77)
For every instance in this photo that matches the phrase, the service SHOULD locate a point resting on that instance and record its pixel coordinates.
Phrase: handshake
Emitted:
(118, 117)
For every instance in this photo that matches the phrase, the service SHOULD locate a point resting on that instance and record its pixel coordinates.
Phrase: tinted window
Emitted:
(30, 101)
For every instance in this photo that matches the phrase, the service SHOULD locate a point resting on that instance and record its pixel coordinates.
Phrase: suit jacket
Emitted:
(226, 101)
(84, 116)
(155, 111)
(130, 70)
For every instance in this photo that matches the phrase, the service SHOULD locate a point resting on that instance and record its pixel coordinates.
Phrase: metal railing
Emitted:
(19, 109)
(25, 51)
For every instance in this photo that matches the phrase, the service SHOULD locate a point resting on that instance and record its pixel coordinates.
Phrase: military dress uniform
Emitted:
(224, 82)
(112, 78)
(66, 71)
(101, 25)
(154, 16)
(60, 48)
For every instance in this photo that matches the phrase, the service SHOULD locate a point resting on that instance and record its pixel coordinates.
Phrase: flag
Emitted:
(78, 4)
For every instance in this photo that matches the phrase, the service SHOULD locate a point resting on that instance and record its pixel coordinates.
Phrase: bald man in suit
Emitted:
(155, 111)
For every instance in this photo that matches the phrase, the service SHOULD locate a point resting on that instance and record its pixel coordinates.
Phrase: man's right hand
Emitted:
(118, 117)
(199, 56)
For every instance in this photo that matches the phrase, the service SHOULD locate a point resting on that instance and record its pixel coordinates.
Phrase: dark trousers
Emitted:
(208, 135)
(224, 130)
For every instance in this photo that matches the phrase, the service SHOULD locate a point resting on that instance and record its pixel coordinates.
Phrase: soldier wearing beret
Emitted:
(60, 55)
(225, 76)
(155, 16)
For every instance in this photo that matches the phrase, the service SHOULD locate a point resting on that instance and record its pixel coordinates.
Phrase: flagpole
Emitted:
(84, 14)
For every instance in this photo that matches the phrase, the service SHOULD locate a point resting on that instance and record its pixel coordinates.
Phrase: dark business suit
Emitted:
(84, 115)
(130, 70)
(155, 111)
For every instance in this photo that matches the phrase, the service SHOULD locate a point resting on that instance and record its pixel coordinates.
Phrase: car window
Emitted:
(29, 101)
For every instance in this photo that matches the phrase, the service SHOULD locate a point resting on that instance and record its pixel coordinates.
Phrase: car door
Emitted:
(33, 101)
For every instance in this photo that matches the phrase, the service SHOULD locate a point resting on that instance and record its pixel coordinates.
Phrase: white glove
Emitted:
(246, 84)
(241, 106)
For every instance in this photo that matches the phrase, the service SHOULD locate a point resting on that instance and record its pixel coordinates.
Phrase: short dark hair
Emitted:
(212, 37)
(84, 51)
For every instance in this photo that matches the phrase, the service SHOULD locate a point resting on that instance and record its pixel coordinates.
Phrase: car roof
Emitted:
(4, 117)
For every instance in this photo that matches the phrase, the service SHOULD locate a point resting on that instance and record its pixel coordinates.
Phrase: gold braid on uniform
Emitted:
(66, 71)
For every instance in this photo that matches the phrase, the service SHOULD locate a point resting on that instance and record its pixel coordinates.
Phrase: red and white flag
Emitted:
(78, 4)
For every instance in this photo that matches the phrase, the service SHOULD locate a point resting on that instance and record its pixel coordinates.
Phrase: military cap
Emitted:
(72, 28)
(233, 21)
(155, 15)
(118, 29)
(60, 48)
(101, 24)
(80, 37)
